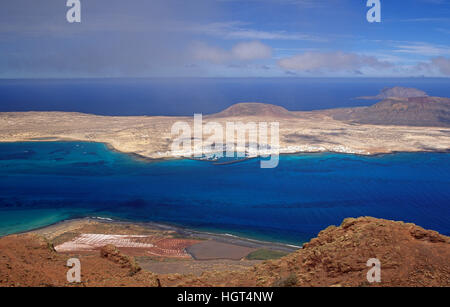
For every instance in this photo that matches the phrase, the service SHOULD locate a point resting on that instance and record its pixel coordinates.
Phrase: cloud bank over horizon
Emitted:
(331, 61)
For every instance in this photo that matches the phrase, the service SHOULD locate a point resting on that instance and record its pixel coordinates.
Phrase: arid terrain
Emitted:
(393, 125)
(409, 256)
(160, 248)
(123, 254)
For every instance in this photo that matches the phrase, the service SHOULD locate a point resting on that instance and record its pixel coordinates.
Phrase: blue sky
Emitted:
(224, 38)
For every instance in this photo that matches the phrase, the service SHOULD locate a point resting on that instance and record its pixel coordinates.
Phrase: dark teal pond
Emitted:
(43, 183)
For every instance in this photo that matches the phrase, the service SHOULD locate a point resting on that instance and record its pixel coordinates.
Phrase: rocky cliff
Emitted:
(409, 256)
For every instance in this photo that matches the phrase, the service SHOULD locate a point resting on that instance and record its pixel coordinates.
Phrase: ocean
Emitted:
(188, 96)
(46, 182)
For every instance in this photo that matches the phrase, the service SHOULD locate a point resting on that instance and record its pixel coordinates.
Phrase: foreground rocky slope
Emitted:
(29, 260)
(409, 255)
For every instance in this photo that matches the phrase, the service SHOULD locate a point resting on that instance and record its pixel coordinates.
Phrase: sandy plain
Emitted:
(152, 137)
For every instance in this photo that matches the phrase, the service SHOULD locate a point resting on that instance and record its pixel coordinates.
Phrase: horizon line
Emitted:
(144, 78)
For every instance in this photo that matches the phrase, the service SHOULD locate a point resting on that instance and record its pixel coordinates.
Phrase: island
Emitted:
(120, 253)
(395, 124)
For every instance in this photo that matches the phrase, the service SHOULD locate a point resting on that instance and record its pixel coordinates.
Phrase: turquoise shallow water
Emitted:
(43, 183)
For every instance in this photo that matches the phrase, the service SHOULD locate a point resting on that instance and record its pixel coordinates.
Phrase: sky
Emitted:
(224, 38)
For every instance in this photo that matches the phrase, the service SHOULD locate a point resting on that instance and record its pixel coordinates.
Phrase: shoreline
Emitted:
(185, 230)
(143, 158)
(149, 138)
(179, 230)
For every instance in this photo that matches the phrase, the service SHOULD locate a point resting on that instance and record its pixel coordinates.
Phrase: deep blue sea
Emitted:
(196, 95)
(42, 183)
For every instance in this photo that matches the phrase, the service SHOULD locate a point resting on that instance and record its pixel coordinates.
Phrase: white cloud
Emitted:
(207, 53)
(443, 64)
(423, 49)
(438, 64)
(246, 51)
(251, 51)
(240, 30)
(331, 61)
(300, 3)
